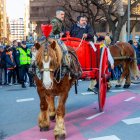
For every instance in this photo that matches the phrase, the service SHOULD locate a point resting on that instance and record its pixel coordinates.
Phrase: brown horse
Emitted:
(49, 61)
(125, 56)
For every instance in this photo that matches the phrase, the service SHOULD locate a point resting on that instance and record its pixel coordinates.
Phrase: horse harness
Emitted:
(121, 55)
(60, 72)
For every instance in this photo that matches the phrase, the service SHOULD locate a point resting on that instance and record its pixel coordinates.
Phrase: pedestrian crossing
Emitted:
(82, 121)
(112, 137)
(24, 100)
(132, 121)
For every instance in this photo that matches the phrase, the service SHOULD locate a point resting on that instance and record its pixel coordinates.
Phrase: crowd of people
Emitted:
(15, 61)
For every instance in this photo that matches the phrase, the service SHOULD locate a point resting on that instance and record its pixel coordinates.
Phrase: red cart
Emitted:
(94, 64)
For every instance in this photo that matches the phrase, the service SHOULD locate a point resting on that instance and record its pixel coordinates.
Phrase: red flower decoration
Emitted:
(46, 29)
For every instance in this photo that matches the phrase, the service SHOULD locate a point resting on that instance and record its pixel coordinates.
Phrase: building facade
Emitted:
(26, 19)
(17, 29)
(3, 21)
(41, 11)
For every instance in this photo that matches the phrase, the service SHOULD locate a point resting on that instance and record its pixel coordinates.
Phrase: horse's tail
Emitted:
(134, 67)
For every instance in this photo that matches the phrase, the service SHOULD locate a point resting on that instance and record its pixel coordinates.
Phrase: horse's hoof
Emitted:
(60, 137)
(126, 86)
(44, 128)
(118, 86)
(52, 118)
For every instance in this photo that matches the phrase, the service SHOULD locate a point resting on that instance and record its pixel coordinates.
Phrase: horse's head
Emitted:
(48, 60)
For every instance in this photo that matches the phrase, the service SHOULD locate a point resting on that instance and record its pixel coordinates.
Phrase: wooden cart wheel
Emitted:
(103, 71)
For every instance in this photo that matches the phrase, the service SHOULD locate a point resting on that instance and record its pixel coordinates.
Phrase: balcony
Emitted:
(41, 13)
(41, 9)
(45, 3)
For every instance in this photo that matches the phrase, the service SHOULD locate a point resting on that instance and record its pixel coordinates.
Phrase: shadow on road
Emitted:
(2, 135)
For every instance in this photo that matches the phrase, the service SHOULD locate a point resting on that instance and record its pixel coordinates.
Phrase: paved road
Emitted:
(119, 121)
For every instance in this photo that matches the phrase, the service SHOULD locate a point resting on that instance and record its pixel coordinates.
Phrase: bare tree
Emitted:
(74, 8)
(114, 12)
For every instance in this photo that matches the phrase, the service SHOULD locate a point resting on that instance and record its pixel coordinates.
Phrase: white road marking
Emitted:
(43, 139)
(132, 84)
(94, 116)
(24, 100)
(87, 93)
(111, 137)
(129, 99)
(132, 121)
(117, 90)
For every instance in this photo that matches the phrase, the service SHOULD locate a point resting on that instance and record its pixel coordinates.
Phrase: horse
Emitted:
(50, 84)
(125, 56)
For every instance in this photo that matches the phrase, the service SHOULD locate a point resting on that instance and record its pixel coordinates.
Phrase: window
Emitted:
(100, 27)
(137, 27)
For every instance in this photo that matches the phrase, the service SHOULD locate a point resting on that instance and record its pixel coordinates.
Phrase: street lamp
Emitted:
(128, 21)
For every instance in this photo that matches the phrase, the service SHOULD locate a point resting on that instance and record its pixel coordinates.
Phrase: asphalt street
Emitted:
(120, 120)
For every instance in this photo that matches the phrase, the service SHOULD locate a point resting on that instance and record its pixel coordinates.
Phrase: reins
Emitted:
(80, 44)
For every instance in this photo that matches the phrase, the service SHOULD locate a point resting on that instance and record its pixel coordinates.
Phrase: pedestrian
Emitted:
(1, 65)
(10, 65)
(3, 56)
(107, 39)
(34, 50)
(94, 86)
(24, 55)
(137, 50)
(14, 48)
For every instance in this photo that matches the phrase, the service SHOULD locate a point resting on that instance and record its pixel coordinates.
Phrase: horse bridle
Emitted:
(46, 70)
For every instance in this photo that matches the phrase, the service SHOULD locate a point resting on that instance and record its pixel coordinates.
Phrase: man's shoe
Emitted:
(95, 90)
(23, 86)
(5, 84)
(10, 84)
(32, 85)
(90, 90)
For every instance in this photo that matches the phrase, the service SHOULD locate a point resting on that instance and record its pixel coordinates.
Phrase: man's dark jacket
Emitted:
(77, 31)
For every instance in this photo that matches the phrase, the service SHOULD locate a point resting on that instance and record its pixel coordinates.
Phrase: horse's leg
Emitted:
(123, 75)
(59, 130)
(128, 78)
(43, 118)
(51, 103)
(120, 81)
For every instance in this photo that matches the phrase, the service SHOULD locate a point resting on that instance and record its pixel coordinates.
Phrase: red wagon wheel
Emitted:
(103, 74)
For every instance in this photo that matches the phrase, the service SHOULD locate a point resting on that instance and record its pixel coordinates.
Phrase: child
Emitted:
(10, 64)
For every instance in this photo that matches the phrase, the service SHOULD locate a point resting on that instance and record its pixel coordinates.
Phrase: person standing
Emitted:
(14, 48)
(3, 56)
(24, 62)
(1, 65)
(10, 65)
(137, 50)
(94, 87)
